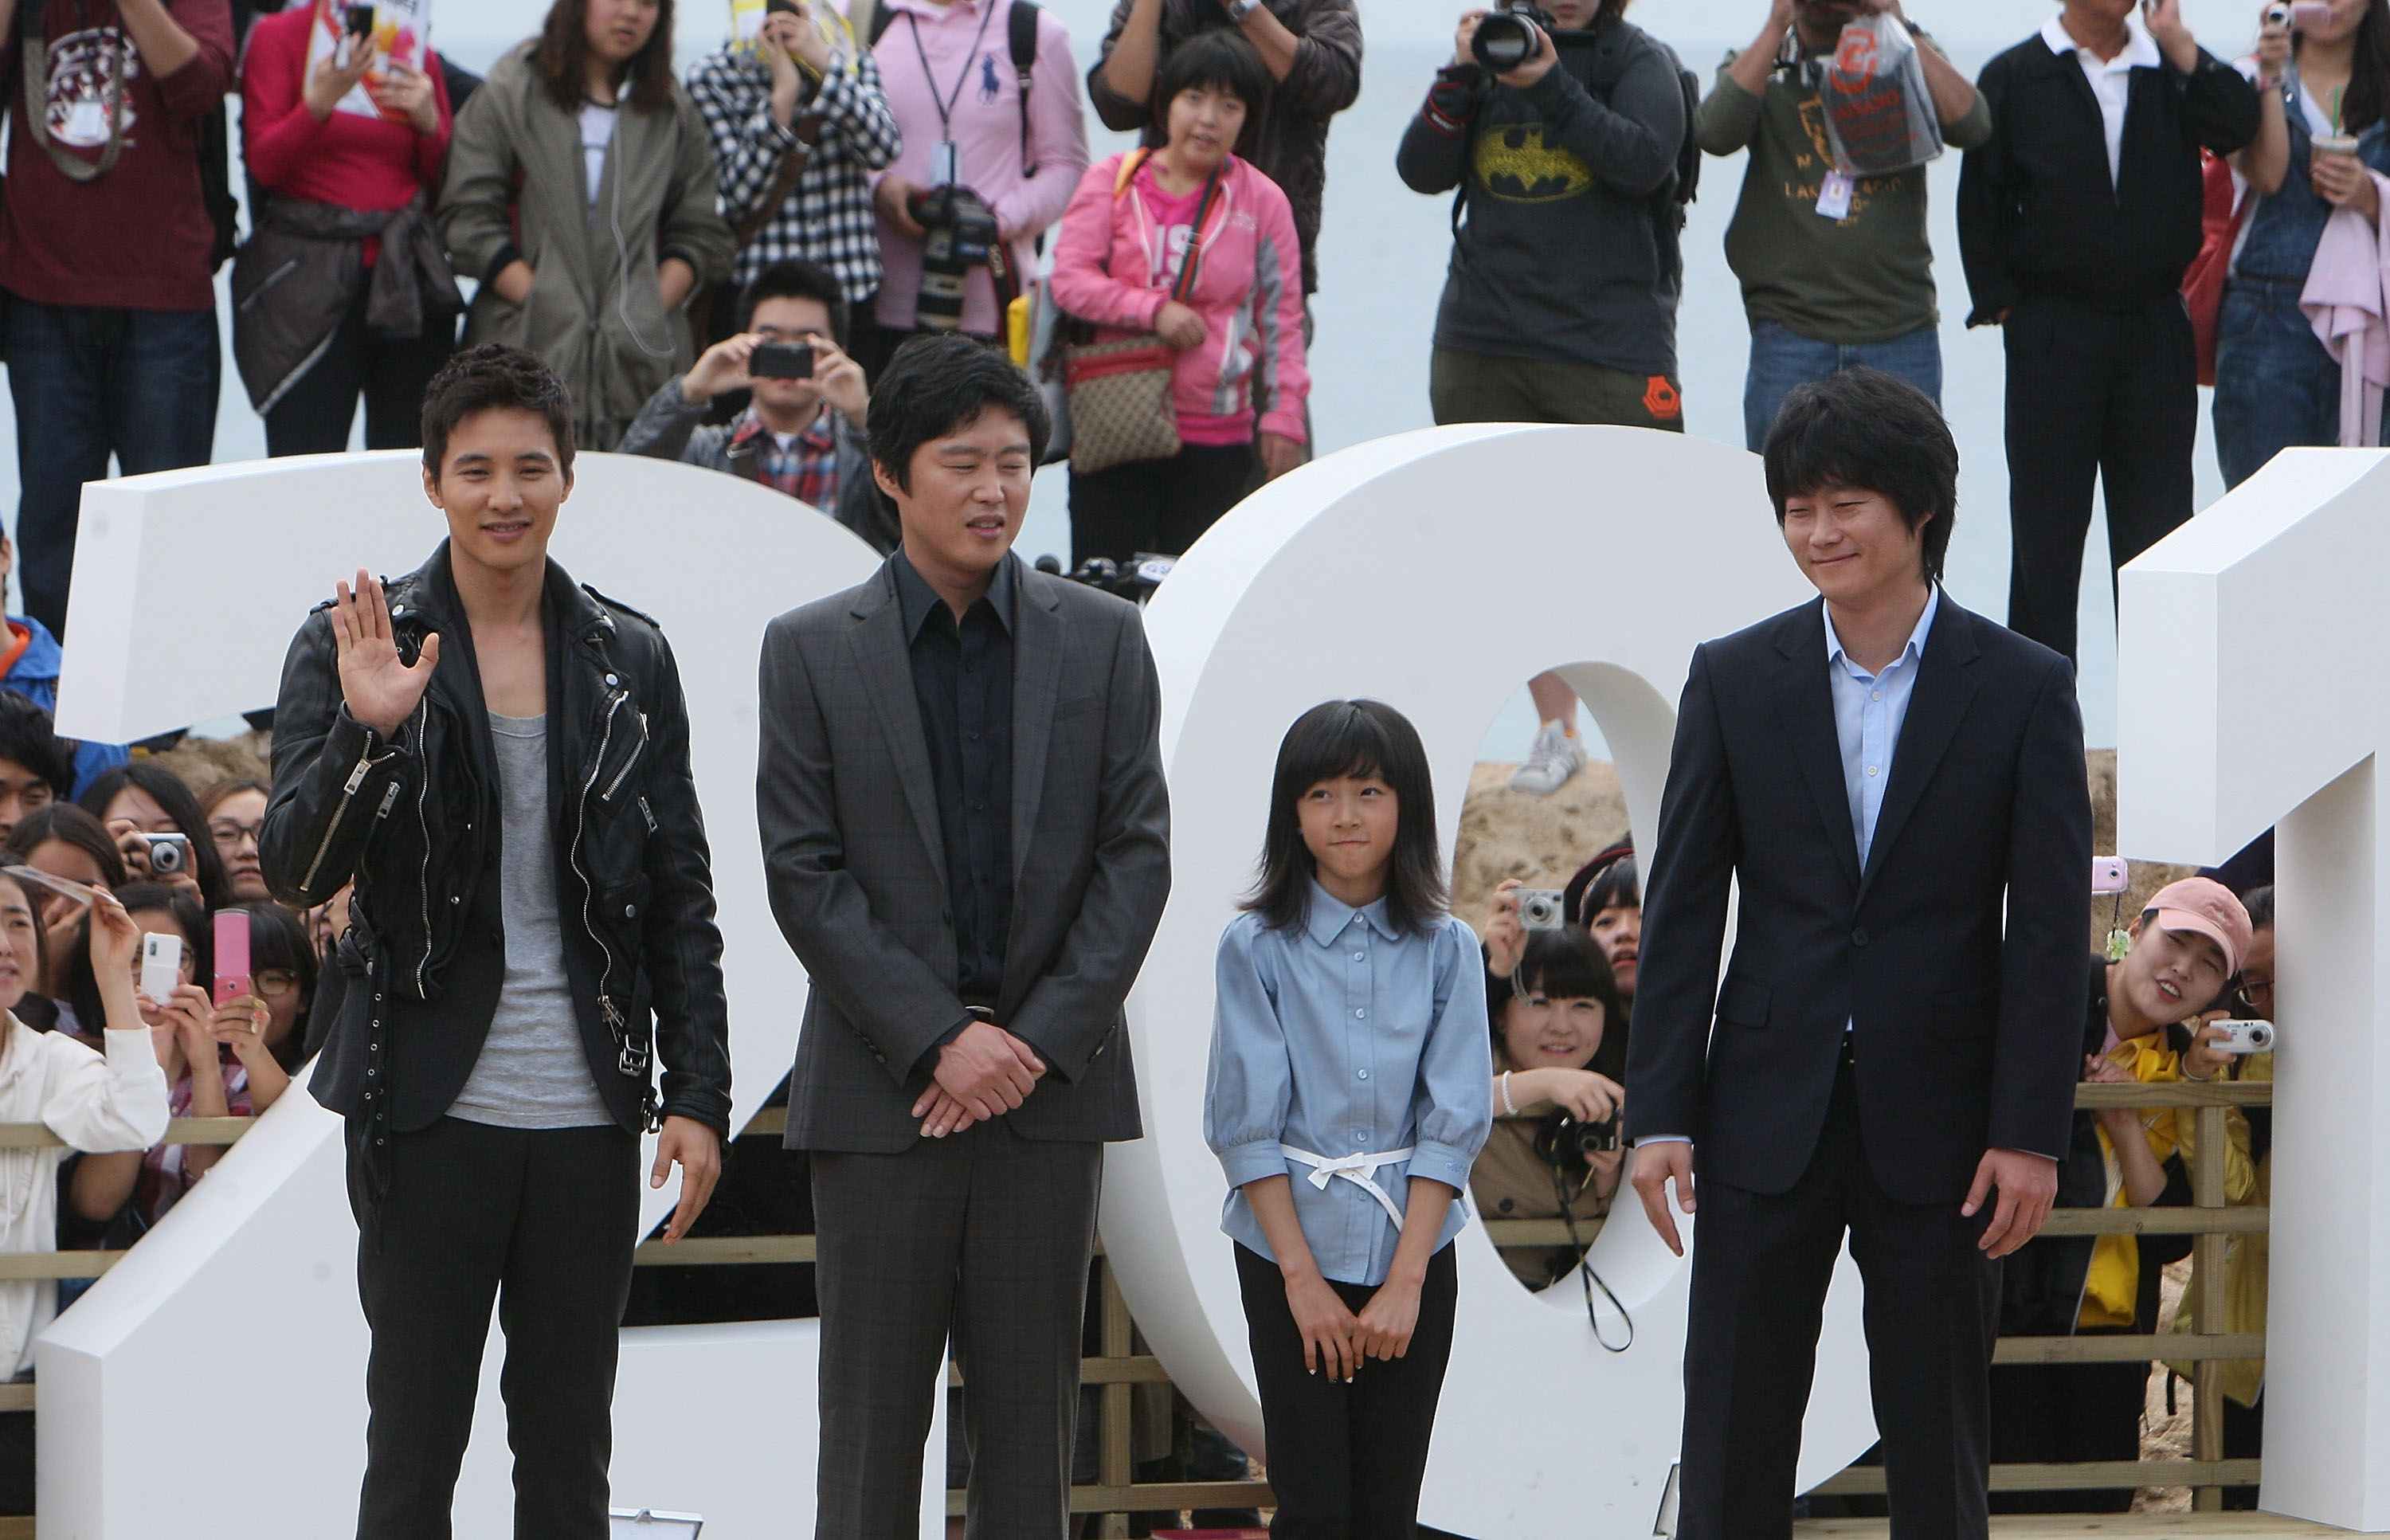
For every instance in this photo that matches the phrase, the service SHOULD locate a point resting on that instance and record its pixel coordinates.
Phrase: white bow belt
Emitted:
(1360, 1170)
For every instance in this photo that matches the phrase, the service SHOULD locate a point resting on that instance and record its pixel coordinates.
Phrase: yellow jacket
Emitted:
(2246, 1258)
(2112, 1288)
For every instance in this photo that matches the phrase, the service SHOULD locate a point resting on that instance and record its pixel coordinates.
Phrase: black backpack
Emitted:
(1021, 38)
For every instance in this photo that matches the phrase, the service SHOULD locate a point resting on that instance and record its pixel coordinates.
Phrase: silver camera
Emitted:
(2245, 1038)
(1543, 908)
(168, 853)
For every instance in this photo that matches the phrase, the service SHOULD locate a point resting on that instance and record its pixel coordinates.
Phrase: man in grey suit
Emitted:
(965, 837)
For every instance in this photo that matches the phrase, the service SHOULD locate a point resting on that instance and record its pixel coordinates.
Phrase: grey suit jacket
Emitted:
(855, 866)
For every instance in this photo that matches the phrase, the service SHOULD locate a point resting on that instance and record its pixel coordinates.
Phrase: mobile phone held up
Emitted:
(2109, 874)
(161, 965)
(232, 955)
(780, 361)
(357, 20)
(2301, 16)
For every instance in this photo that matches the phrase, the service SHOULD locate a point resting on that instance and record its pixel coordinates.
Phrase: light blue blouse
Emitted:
(1339, 1039)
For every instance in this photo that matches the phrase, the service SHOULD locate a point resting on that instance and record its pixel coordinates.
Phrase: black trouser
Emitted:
(16, 1462)
(2067, 1413)
(982, 1235)
(313, 416)
(1345, 1460)
(1157, 506)
(2092, 392)
(1761, 1265)
(544, 1220)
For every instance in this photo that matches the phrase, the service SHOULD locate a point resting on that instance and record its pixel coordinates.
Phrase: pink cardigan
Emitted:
(1248, 288)
(2345, 301)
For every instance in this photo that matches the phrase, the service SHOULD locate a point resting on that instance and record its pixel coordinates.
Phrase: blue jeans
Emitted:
(2276, 387)
(1783, 360)
(89, 382)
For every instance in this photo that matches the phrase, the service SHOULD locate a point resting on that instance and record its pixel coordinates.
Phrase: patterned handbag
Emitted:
(1121, 409)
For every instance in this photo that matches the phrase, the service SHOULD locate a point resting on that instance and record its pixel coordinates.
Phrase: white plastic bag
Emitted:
(1879, 111)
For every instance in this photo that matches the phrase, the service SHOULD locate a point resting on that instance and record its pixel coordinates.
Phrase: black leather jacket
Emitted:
(414, 819)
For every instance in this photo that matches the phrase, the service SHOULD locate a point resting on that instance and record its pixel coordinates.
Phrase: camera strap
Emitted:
(34, 49)
(945, 104)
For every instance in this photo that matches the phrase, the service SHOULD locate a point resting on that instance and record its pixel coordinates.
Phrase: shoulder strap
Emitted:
(876, 18)
(33, 44)
(1194, 258)
(1020, 35)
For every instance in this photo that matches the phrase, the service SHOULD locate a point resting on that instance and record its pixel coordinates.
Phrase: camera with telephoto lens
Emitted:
(1568, 1143)
(1506, 39)
(168, 853)
(958, 230)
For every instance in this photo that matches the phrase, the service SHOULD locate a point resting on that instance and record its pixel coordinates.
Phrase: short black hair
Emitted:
(1870, 431)
(489, 378)
(173, 798)
(940, 384)
(28, 738)
(2259, 902)
(1615, 883)
(796, 280)
(1351, 737)
(1215, 56)
(1560, 965)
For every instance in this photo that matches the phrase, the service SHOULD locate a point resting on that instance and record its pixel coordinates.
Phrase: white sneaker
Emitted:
(1556, 758)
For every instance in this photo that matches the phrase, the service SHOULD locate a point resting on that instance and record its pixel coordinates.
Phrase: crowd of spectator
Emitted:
(719, 269)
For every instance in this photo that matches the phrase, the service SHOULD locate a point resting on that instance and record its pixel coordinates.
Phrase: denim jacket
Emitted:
(2286, 223)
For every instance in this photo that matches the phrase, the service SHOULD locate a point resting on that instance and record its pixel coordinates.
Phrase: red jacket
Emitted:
(139, 237)
(348, 160)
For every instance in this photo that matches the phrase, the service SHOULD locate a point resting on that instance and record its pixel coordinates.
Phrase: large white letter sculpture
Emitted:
(2250, 695)
(1437, 571)
(212, 1383)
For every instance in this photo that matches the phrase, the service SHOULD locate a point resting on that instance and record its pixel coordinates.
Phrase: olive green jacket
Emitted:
(517, 188)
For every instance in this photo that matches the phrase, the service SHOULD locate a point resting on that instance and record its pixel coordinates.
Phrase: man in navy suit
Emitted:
(1898, 786)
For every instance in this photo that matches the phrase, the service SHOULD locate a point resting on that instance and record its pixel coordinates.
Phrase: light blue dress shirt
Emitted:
(1869, 711)
(1344, 1038)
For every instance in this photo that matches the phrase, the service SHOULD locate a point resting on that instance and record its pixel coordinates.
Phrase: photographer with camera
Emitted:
(1564, 132)
(1554, 1150)
(1837, 271)
(802, 433)
(580, 192)
(986, 97)
(109, 241)
(2142, 1027)
(159, 830)
(798, 129)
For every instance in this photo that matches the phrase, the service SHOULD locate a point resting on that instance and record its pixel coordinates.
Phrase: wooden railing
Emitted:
(1118, 1368)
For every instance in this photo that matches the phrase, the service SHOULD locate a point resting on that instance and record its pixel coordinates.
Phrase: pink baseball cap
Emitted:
(2203, 907)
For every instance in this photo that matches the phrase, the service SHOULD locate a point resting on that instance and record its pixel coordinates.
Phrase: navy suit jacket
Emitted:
(1956, 956)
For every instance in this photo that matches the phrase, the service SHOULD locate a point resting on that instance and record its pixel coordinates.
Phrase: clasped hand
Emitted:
(985, 1073)
(1337, 1339)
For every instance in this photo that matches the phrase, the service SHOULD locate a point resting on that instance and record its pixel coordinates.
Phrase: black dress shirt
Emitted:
(962, 681)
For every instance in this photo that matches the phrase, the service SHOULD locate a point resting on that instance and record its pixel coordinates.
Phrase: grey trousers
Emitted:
(984, 1234)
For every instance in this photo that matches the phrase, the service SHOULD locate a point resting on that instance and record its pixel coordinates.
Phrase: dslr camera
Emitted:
(1569, 1146)
(958, 231)
(1507, 38)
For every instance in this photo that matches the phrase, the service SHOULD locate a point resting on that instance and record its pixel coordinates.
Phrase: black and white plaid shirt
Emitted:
(827, 220)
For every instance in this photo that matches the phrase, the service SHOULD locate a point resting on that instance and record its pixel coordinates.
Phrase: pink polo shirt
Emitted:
(985, 123)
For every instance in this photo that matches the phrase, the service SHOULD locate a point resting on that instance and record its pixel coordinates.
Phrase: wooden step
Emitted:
(2107, 1526)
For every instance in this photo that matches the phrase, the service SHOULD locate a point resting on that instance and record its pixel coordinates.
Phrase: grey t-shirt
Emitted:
(534, 1072)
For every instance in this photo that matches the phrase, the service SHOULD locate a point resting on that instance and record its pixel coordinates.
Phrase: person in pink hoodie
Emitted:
(1239, 382)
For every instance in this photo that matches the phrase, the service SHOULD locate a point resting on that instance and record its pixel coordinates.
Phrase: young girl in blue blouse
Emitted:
(1347, 1101)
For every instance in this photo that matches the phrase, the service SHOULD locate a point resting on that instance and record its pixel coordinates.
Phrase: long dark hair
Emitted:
(1352, 737)
(173, 798)
(2368, 101)
(1559, 965)
(70, 825)
(562, 58)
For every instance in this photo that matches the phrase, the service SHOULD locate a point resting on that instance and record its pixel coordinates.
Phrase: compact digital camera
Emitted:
(168, 853)
(1543, 908)
(2245, 1038)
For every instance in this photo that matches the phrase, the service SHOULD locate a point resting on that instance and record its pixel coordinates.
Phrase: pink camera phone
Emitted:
(232, 955)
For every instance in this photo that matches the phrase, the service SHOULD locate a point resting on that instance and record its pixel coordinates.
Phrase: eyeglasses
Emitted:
(272, 983)
(228, 835)
(2257, 989)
